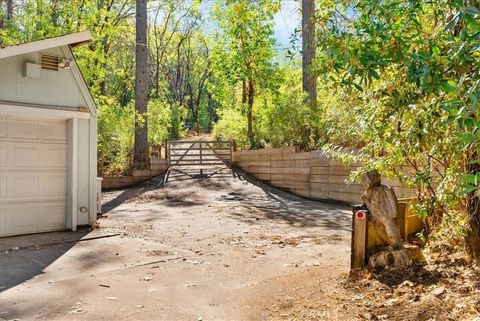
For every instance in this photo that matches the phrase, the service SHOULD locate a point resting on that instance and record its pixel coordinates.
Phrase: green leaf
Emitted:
(374, 73)
(358, 87)
(449, 86)
(467, 138)
(472, 10)
(477, 161)
(470, 179)
(467, 189)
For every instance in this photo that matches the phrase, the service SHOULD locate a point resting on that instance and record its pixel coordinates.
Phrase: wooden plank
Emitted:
(319, 187)
(263, 176)
(319, 178)
(198, 148)
(340, 170)
(344, 188)
(345, 197)
(302, 155)
(296, 170)
(302, 185)
(319, 170)
(302, 192)
(319, 194)
(290, 163)
(318, 162)
(199, 141)
(337, 179)
(259, 169)
(277, 170)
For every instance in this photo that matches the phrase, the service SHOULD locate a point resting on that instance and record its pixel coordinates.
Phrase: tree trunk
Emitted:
(140, 158)
(473, 210)
(9, 11)
(250, 97)
(244, 91)
(7, 21)
(54, 13)
(309, 79)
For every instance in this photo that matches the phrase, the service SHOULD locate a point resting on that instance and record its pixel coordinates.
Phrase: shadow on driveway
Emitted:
(24, 257)
(268, 203)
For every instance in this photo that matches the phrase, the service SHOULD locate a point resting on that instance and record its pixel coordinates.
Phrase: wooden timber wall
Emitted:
(158, 166)
(308, 174)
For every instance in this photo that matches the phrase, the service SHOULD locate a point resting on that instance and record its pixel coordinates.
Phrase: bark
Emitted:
(9, 11)
(309, 79)
(140, 158)
(54, 13)
(244, 92)
(4, 23)
(250, 98)
(473, 210)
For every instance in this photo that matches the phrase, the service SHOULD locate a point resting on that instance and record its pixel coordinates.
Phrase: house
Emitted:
(48, 153)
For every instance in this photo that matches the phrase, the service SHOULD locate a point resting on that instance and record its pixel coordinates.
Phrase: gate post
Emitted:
(165, 146)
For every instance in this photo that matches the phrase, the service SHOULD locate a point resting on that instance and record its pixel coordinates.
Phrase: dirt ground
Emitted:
(220, 249)
(195, 249)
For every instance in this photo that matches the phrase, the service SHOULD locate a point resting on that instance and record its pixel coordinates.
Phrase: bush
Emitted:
(116, 128)
(232, 125)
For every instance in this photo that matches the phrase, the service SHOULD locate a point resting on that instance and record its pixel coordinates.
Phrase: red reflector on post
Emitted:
(360, 215)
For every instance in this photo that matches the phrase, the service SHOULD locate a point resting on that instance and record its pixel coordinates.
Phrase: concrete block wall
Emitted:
(309, 174)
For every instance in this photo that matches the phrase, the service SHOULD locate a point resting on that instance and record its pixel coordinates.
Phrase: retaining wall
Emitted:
(157, 167)
(308, 174)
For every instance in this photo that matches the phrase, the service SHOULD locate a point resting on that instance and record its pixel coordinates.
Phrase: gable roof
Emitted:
(73, 40)
(66, 42)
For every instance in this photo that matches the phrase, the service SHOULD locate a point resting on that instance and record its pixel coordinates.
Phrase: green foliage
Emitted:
(160, 123)
(115, 136)
(280, 116)
(284, 116)
(244, 51)
(232, 126)
(116, 128)
(414, 67)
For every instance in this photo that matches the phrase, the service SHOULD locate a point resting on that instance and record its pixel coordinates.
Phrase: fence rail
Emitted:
(198, 157)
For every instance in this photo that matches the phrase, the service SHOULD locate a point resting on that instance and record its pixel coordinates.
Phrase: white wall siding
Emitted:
(54, 88)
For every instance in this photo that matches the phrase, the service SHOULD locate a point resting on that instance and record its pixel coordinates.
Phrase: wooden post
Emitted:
(233, 148)
(359, 237)
(165, 144)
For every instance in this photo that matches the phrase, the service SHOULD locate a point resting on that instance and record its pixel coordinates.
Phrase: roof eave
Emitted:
(73, 40)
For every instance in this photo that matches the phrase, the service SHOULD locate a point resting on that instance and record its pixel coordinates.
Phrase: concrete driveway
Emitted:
(195, 249)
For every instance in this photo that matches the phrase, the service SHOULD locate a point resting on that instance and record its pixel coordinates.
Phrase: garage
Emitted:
(47, 138)
(33, 167)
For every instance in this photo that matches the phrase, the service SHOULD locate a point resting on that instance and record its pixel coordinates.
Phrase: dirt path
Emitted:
(196, 249)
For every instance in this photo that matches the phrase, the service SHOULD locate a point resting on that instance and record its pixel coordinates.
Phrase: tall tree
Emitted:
(415, 67)
(243, 54)
(9, 10)
(6, 19)
(309, 78)
(140, 158)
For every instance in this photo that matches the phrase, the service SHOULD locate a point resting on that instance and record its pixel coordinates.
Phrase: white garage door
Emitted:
(33, 175)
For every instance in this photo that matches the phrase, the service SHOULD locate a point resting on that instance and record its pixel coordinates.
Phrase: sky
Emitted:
(286, 20)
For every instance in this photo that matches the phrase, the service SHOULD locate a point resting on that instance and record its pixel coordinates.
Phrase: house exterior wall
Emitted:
(59, 93)
(54, 88)
(83, 191)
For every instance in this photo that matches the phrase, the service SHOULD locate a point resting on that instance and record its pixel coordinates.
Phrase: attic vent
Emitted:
(49, 62)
